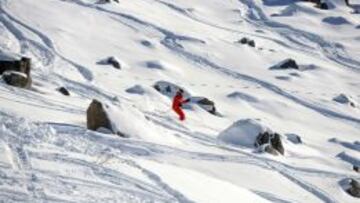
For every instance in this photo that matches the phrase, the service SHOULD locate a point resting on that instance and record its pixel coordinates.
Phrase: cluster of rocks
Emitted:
(16, 72)
(107, 1)
(247, 41)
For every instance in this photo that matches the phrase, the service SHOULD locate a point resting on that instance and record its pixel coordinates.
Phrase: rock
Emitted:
(296, 139)
(273, 139)
(63, 91)
(23, 65)
(345, 99)
(356, 168)
(111, 61)
(17, 79)
(97, 116)
(243, 40)
(285, 64)
(354, 189)
(107, 1)
(137, 89)
(247, 41)
(251, 43)
(147, 43)
(323, 6)
(205, 103)
(271, 150)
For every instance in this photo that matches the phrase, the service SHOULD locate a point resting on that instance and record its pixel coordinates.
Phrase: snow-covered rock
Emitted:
(285, 64)
(17, 79)
(243, 132)
(345, 99)
(136, 89)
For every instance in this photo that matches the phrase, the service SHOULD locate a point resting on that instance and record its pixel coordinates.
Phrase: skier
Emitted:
(178, 101)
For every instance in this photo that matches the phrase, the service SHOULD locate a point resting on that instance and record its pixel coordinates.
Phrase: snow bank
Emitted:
(243, 132)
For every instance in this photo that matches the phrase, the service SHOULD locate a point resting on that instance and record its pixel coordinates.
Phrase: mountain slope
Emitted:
(49, 156)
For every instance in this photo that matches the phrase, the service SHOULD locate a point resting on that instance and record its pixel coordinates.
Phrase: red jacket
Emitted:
(178, 101)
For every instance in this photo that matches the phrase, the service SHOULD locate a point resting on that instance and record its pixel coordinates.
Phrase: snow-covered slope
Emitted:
(48, 155)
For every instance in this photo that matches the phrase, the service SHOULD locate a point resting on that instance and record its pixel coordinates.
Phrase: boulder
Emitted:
(296, 139)
(137, 89)
(323, 6)
(252, 133)
(354, 189)
(17, 79)
(345, 99)
(272, 139)
(285, 64)
(356, 168)
(205, 103)
(63, 91)
(111, 61)
(243, 40)
(251, 43)
(23, 65)
(97, 116)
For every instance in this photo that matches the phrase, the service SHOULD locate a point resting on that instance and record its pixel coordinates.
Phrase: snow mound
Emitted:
(243, 132)
(128, 120)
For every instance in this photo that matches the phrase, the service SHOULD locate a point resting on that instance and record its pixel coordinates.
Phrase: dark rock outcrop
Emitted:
(356, 168)
(247, 41)
(285, 64)
(205, 103)
(64, 91)
(273, 140)
(97, 117)
(17, 79)
(111, 61)
(17, 72)
(354, 189)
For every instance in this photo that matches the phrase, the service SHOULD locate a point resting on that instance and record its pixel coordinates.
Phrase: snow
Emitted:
(48, 155)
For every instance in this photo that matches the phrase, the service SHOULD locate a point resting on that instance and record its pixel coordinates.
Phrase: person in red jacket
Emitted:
(178, 101)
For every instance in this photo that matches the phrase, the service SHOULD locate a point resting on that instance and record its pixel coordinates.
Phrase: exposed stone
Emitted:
(97, 117)
(272, 139)
(64, 91)
(354, 189)
(17, 79)
(285, 64)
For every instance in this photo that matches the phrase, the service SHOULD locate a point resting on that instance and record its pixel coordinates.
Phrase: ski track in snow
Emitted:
(149, 149)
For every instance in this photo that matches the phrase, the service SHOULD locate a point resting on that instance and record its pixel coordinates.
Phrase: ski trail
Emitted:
(157, 179)
(289, 172)
(49, 49)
